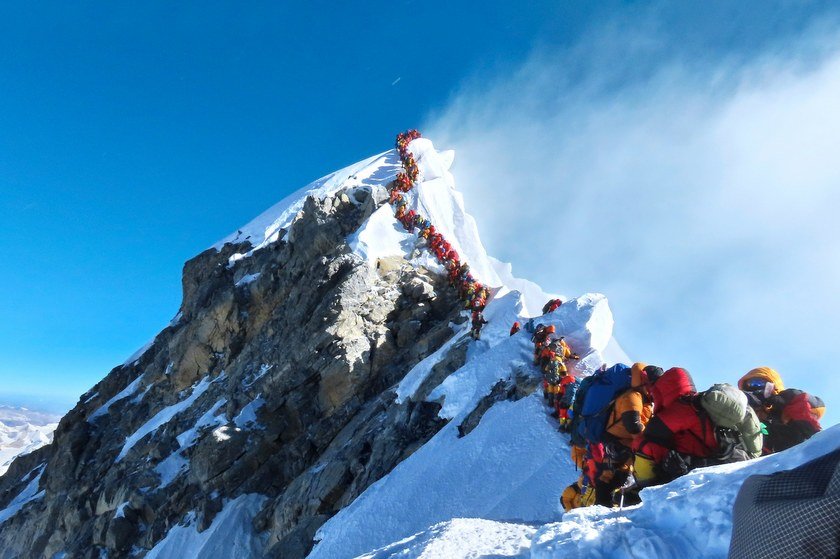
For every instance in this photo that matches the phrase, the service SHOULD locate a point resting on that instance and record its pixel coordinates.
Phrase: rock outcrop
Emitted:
(274, 379)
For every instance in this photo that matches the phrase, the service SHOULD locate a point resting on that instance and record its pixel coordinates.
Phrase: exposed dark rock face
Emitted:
(521, 385)
(274, 379)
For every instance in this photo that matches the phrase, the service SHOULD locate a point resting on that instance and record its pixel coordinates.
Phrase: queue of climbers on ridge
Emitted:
(470, 291)
(630, 426)
(636, 426)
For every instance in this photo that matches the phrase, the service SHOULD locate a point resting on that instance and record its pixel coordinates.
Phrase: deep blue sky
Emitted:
(133, 137)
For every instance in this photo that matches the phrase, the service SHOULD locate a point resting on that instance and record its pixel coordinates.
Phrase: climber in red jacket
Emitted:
(677, 431)
(794, 417)
(552, 305)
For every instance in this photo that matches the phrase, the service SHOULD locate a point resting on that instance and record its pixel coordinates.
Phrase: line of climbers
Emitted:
(472, 292)
(632, 427)
(550, 355)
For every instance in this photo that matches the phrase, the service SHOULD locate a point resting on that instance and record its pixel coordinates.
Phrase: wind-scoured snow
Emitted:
(467, 538)
(374, 172)
(246, 279)
(247, 417)
(175, 464)
(121, 395)
(27, 495)
(134, 357)
(512, 467)
(231, 534)
(381, 236)
(163, 416)
(411, 382)
(689, 517)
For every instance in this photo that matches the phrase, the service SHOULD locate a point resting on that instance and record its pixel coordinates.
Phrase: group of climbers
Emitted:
(638, 426)
(472, 292)
(550, 355)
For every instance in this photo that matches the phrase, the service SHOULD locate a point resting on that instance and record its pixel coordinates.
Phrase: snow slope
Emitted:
(230, 534)
(689, 517)
(22, 431)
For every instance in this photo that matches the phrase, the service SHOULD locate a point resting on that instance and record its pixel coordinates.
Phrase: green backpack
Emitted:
(728, 408)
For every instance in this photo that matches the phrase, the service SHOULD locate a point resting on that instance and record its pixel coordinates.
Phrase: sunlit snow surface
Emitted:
(690, 517)
(230, 535)
(28, 494)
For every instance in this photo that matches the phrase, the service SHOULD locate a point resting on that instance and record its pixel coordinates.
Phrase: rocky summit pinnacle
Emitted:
(271, 388)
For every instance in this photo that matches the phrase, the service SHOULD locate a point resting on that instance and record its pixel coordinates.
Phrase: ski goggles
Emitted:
(755, 385)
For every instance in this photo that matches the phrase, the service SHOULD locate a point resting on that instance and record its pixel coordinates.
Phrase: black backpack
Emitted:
(552, 373)
(730, 448)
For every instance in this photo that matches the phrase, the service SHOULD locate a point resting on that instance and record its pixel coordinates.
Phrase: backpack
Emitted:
(737, 428)
(568, 399)
(539, 333)
(730, 449)
(552, 373)
(577, 438)
(599, 400)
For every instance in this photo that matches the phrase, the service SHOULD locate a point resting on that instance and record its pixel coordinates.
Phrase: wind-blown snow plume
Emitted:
(699, 196)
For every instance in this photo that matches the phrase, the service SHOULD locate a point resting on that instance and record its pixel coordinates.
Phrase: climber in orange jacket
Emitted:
(626, 420)
(634, 407)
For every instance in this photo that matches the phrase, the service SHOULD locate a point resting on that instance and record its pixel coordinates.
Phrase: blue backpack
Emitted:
(568, 399)
(602, 392)
(576, 429)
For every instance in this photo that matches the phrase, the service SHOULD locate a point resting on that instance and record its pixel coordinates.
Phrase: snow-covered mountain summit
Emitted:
(318, 387)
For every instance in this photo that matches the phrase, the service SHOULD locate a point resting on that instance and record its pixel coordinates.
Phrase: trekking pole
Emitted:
(621, 502)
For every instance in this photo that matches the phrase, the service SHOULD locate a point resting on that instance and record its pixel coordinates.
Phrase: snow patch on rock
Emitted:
(163, 416)
(27, 495)
(231, 534)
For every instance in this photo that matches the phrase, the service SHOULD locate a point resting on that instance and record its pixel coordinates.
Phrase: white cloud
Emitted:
(701, 197)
